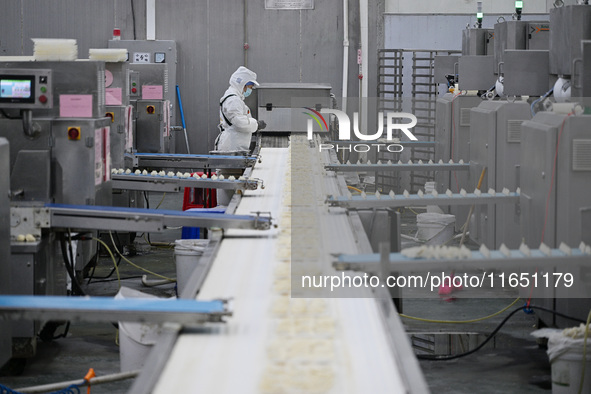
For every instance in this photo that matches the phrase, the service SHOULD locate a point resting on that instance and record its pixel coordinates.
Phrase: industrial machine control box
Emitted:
(478, 42)
(26, 88)
(282, 105)
(153, 66)
(151, 87)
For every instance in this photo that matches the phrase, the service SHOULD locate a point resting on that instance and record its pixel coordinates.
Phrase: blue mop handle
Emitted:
(178, 93)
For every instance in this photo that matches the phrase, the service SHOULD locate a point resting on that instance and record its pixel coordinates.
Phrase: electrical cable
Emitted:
(355, 189)
(161, 201)
(112, 257)
(492, 334)
(92, 277)
(65, 333)
(146, 199)
(133, 19)
(71, 253)
(461, 321)
(147, 207)
(137, 266)
(76, 289)
(549, 92)
(9, 116)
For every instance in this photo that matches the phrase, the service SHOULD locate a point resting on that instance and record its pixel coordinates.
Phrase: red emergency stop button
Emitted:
(74, 133)
(43, 99)
(150, 109)
(133, 90)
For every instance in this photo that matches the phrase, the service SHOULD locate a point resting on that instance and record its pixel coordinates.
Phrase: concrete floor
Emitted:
(512, 363)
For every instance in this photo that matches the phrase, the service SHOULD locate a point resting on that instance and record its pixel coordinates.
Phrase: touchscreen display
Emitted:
(15, 88)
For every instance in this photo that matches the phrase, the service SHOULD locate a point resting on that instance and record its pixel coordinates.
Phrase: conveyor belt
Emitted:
(233, 358)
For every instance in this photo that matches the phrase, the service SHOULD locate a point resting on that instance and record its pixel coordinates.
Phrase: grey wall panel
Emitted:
(322, 43)
(125, 10)
(285, 46)
(10, 31)
(186, 22)
(225, 52)
(274, 39)
(90, 22)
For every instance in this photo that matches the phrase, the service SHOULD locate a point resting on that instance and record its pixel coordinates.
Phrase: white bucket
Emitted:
(187, 253)
(135, 339)
(435, 228)
(566, 373)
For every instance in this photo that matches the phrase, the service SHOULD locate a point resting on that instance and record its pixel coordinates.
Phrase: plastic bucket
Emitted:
(435, 228)
(135, 339)
(187, 253)
(566, 373)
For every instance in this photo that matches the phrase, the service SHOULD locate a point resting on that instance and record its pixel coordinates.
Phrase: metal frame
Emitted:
(397, 167)
(149, 220)
(175, 184)
(508, 261)
(162, 160)
(415, 200)
(424, 93)
(103, 309)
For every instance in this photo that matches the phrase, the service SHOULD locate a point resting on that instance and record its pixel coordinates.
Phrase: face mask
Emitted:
(248, 92)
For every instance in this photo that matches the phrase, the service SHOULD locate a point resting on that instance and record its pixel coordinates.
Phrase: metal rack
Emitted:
(389, 90)
(423, 94)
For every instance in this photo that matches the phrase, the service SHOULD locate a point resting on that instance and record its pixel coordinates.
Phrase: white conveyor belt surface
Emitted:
(232, 358)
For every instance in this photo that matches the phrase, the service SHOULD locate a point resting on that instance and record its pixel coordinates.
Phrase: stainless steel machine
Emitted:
(5, 286)
(118, 108)
(53, 117)
(495, 139)
(452, 118)
(152, 92)
(275, 103)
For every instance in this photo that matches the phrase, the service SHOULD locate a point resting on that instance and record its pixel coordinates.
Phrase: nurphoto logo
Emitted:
(345, 130)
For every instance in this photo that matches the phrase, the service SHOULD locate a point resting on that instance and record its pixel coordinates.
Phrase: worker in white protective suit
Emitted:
(236, 123)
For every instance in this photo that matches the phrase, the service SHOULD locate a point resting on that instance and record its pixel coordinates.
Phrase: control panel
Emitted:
(26, 88)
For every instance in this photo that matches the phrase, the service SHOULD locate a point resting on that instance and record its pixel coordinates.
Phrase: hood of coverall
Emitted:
(241, 77)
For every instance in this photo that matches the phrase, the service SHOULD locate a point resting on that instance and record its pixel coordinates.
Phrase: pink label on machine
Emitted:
(152, 92)
(76, 105)
(113, 96)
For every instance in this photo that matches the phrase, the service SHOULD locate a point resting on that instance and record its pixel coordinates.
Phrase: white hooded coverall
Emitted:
(238, 135)
(235, 137)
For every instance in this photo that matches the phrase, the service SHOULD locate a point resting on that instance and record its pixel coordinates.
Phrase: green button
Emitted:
(43, 89)
(133, 84)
